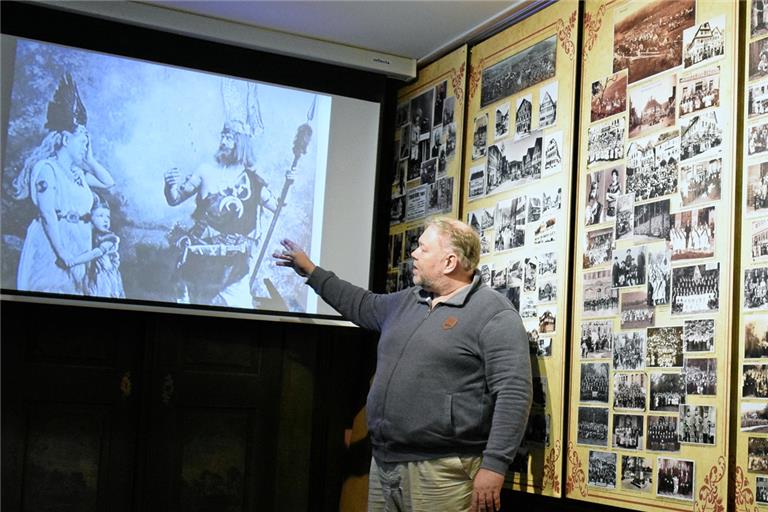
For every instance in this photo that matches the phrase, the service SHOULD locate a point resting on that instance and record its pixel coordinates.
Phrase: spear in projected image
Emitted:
(300, 144)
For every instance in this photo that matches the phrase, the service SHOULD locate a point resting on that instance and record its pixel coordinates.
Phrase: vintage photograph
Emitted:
(476, 185)
(416, 203)
(636, 473)
(597, 339)
(700, 181)
(761, 486)
(701, 376)
(600, 297)
(756, 289)
(609, 96)
(599, 248)
(529, 280)
(537, 429)
(756, 336)
(754, 381)
(548, 105)
(662, 434)
(441, 90)
(667, 391)
(652, 165)
(614, 187)
(510, 223)
(547, 264)
(543, 344)
(652, 105)
(628, 431)
(629, 391)
(759, 240)
(402, 115)
(754, 416)
(602, 469)
(523, 116)
(757, 139)
(625, 216)
(704, 42)
(675, 478)
(757, 188)
(758, 59)
(606, 141)
(501, 125)
(629, 267)
(515, 273)
(480, 136)
(635, 311)
(553, 155)
(511, 164)
(665, 347)
(547, 321)
(428, 172)
(697, 424)
(449, 108)
(529, 67)
(534, 208)
(659, 275)
(551, 202)
(648, 37)
(701, 135)
(629, 350)
(397, 210)
(757, 99)
(594, 210)
(592, 426)
(405, 141)
(699, 90)
(652, 222)
(699, 335)
(758, 18)
(395, 250)
(757, 454)
(594, 382)
(440, 196)
(692, 234)
(696, 289)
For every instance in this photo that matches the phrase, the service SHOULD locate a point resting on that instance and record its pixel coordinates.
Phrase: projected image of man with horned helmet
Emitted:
(218, 254)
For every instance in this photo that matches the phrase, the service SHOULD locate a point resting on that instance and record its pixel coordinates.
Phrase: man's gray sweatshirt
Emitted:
(453, 380)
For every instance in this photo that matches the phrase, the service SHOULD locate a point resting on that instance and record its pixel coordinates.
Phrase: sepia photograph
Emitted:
(548, 105)
(609, 96)
(700, 181)
(659, 275)
(629, 267)
(697, 424)
(754, 381)
(758, 59)
(700, 376)
(692, 234)
(629, 391)
(756, 336)
(614, 187)
(476, 186)
(600, 297)
(553, 154)
(662, 434)
(756, 289)
(480, 136)
(699, 90)
(648, 38)
(510, 223)
(602, 469)
(594, 382)
(594, 210)
(757, 454)
(547, 321)
(665, 347)
(704, 42)
(651, 221)
(629, 350)
(501, 124)
(636, 473)
(605, 141)
(696, 289)
(625, 216)
(599, 248)
(592, 428)
(675, 478)
(529, 67)
(667, 391)
(701, 135)
(757, 99)
(754, 416)
(759, 240)
(652, 165)
(652, 105)
(635, 311)
(512, 164)
(699, 335)
(628, 431)
(523, 116)
(758, 20)
(757, 139)
(597, 339)
(757, 188)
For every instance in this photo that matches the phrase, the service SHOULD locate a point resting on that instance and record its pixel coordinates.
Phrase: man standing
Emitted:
(449, 403)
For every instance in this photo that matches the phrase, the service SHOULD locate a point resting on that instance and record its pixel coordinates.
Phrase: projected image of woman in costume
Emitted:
(57, 177)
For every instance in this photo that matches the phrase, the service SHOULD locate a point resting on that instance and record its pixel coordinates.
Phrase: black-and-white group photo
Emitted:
(600, 297)
(758, 59)
(592, 426)
(659, 276)
(704, 42)
(629, 350)
(628, 432)
(526, 68)
(594, 382)
(759, 240)
(629, 267)
(701, 135)
(696, 289)
(601, 470)
(636, 473)
(757, 454)
(756, 337)
(754, 416)
(699, 335)
(511, 164)
(757, 139)
(665, 347)
(606, 141)
(761, 490)
(609, 96)
(667, 391)
(652, 221)
(652, 165)
(629, 391)
(756, 288)
(652, 105)
(697, 424)
(701, 376)
(548, 105)
(676, 478)
(700, 181)
(699, 90)
(662, 434)
(599, 248)
(634, 48)
(597, 339)
(692, 234)
(754, 381)
(635, 311)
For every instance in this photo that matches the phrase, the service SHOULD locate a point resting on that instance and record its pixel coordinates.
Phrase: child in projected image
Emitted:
(103, 277)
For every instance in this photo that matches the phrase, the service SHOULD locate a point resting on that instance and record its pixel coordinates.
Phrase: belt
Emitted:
(73, 217)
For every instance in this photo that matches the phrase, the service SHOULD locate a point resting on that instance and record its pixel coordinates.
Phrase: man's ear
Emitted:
(451, 263)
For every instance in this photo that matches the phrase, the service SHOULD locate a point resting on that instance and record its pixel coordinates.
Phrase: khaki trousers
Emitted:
(423, 486)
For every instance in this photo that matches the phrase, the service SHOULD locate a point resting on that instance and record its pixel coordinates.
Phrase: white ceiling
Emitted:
(413, 29)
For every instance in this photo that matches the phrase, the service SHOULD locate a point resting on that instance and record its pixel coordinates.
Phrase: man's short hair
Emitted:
(463, 240)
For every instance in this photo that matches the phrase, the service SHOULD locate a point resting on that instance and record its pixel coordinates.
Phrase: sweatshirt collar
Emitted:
(457, 300)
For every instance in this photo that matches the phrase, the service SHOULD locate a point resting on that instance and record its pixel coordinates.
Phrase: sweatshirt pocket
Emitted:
(421, 417)
(470, 414)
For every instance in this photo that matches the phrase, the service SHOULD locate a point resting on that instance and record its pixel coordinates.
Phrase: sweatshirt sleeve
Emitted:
(507, 360)
(358, 305)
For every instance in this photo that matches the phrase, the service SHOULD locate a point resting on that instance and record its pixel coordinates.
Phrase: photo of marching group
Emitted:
(756, 289)
(602, 469)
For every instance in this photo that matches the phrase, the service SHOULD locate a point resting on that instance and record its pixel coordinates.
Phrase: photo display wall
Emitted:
(429, 127)
(648, 420)
(751, 467)
(516, 195)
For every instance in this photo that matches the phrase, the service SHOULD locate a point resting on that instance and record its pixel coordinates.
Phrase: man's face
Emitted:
(428, 259)
(226, 153)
